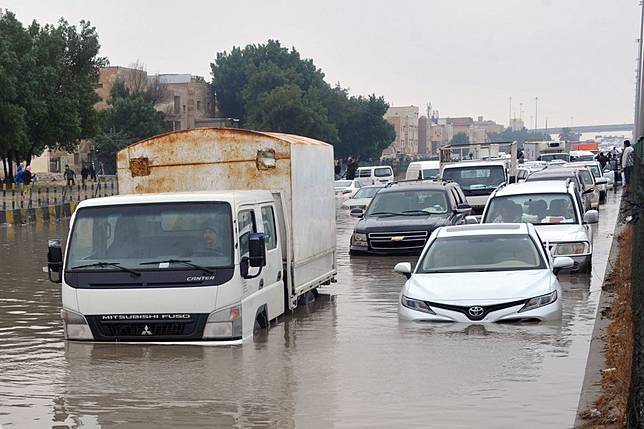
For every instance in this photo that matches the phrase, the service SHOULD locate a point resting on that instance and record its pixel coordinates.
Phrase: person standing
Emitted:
(69, 176)
(351, 169)
(27, 176)
(628, 160)
(92, 171)
(84, 175)
(337, 169)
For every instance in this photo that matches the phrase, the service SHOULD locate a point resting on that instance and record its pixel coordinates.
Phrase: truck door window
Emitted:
(246, 227)
(268, 218)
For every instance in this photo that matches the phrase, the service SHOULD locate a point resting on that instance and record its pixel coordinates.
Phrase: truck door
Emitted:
(251, 288)
(272, 272)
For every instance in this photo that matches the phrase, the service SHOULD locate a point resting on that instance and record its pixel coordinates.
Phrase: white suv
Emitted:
(380, 175)
(555, 209)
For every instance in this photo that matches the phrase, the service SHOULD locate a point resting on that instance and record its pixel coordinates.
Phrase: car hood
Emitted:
(402, 223)
(481, 288)
(561, 232)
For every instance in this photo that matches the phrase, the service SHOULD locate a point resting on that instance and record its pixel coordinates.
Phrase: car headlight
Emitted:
(75, 325)
(566, 249)
(224, 324)
(415, 304)
(539, 301)
(359, 239)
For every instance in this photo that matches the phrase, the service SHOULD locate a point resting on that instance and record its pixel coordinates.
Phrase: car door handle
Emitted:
(261, 283)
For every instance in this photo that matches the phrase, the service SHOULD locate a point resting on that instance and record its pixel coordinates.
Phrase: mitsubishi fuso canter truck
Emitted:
(216, 232)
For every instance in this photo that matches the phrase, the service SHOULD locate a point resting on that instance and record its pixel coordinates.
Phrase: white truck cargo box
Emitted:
(298, 170)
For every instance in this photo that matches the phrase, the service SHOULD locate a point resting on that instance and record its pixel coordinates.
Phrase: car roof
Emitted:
(536, 187)
(374, 166)
(554, 172)
(477, 163)
(485, 229)
(372, 186)
(420, 185)
(425, 163)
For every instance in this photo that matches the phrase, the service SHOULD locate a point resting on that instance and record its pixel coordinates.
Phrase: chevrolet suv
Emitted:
(402, 215)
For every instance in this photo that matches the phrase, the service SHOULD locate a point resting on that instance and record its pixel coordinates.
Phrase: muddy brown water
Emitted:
(344, 362)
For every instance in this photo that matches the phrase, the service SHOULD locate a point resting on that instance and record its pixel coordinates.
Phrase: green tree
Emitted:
(460, 139)
(269, 87)
(128, 119)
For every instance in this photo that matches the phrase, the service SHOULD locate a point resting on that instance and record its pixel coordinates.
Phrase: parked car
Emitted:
(483, 273)
(423, 170)
(562, 174)
(402, 215)
(362, 198)
(581, 155)
(588, 180)
(346, 188)
(381, 174)
(601, 182)
(555, 208)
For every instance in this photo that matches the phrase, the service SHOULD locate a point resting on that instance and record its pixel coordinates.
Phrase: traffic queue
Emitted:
(491, 234)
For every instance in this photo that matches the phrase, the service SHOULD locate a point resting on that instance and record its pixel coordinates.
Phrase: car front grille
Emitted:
(147, 329)
(479, 315)
(407, 240)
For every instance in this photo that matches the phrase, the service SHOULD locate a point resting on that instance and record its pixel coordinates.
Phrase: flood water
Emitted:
(344, 362)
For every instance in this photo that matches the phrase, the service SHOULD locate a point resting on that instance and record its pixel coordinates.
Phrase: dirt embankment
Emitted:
(610, 409)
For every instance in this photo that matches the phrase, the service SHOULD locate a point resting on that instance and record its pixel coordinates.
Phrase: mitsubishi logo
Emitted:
(476, 311)
(146, 331)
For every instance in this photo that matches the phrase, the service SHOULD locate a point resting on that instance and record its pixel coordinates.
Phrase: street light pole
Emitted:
(536, 109)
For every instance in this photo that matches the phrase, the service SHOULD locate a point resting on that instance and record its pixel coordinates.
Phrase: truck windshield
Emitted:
(475, 178)
(538, 209)
(111, 238)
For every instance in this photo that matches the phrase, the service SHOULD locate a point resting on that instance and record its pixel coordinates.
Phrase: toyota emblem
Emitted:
(476, 311)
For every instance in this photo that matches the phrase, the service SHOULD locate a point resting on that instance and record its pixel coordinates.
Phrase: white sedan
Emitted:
(362, 198)
(346, 188)
(483, 273)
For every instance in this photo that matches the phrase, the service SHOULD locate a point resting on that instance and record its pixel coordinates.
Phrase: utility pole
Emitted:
(536, 110)
(510, 114)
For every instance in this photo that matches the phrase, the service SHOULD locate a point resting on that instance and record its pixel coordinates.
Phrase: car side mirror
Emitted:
(471, 220)
(512, 179)
(257, 250)
(403, 268)
(463, 207)
(562, 262)
(357, 213)
(55, 261)
(591, 216)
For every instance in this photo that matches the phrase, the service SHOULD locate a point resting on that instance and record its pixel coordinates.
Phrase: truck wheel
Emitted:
(261, 321)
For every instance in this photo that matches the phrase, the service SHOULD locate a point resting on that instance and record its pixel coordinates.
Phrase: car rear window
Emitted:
(382, 172)
(364, 173)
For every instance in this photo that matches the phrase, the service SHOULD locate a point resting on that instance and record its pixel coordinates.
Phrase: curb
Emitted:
(37, 214)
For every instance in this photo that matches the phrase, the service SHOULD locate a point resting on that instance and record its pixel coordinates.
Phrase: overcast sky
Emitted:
(466, 57)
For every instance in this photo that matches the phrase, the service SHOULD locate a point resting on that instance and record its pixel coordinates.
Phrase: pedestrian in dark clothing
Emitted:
(352, 166)
(92, 171)
(69, 176)
(337, 168)
(84, 175)
(602, 159)
(27, 176)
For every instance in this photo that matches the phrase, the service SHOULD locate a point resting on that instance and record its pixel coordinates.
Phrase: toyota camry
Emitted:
(483, 273)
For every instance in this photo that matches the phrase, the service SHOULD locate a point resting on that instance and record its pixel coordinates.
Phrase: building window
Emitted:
(184, 108)
(177, 104)
(177, 125)
(199, 105)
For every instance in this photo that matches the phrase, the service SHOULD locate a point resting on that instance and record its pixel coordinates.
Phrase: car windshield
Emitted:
(595, 170)
(431, 173)
(584, 158)
(555, 156)
(382, 172)
(342, 184)
(476, 178)
(586, 177)
(129, 235)
(366, 193)
(481, 253)
(408, 202)
(538, 209)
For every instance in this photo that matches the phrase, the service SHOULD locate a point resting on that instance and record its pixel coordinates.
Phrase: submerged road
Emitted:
(347, 362)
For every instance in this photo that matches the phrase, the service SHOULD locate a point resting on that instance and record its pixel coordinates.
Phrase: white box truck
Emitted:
(217, 232)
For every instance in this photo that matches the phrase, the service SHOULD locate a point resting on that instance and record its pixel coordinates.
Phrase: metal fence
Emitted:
(43, 194)
(633, 206)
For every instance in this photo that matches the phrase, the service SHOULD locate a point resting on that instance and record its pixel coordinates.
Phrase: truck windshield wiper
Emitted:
(108, 264)
(180, 261)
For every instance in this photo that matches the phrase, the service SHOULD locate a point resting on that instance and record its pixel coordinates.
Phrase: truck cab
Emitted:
(208, 266)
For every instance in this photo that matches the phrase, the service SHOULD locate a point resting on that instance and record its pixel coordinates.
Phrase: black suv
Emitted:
(402, 215)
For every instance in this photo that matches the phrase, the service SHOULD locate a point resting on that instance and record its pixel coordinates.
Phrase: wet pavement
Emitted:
(345, 362)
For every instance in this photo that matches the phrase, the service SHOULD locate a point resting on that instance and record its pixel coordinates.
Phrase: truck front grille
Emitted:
(408, 240)
(148, 329)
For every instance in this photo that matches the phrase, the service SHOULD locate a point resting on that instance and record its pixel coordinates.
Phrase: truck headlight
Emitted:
(359, 239)
(567, 249)
(75, 325)
(415, 304)
(224, 324)
(539, 301)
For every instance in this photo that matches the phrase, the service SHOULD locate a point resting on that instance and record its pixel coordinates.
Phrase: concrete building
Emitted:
(188, 102)
(424, 135)
(489, 126)
(405, 121)
(517, 124)
(461, 125)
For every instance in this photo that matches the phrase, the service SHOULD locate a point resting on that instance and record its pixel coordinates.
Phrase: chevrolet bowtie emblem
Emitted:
(398, 238)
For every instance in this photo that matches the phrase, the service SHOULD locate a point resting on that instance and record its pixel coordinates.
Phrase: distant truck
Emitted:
(479, 177)
(535, 151)
(245, 227)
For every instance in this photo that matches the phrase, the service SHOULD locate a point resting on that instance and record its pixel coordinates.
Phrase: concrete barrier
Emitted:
(37, 214)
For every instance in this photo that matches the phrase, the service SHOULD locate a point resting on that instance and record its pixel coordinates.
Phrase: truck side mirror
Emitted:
(55, 261)
(257, 250)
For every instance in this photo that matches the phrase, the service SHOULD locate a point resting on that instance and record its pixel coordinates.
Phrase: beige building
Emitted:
(405, 121)
(188, 102)
(517, 124)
